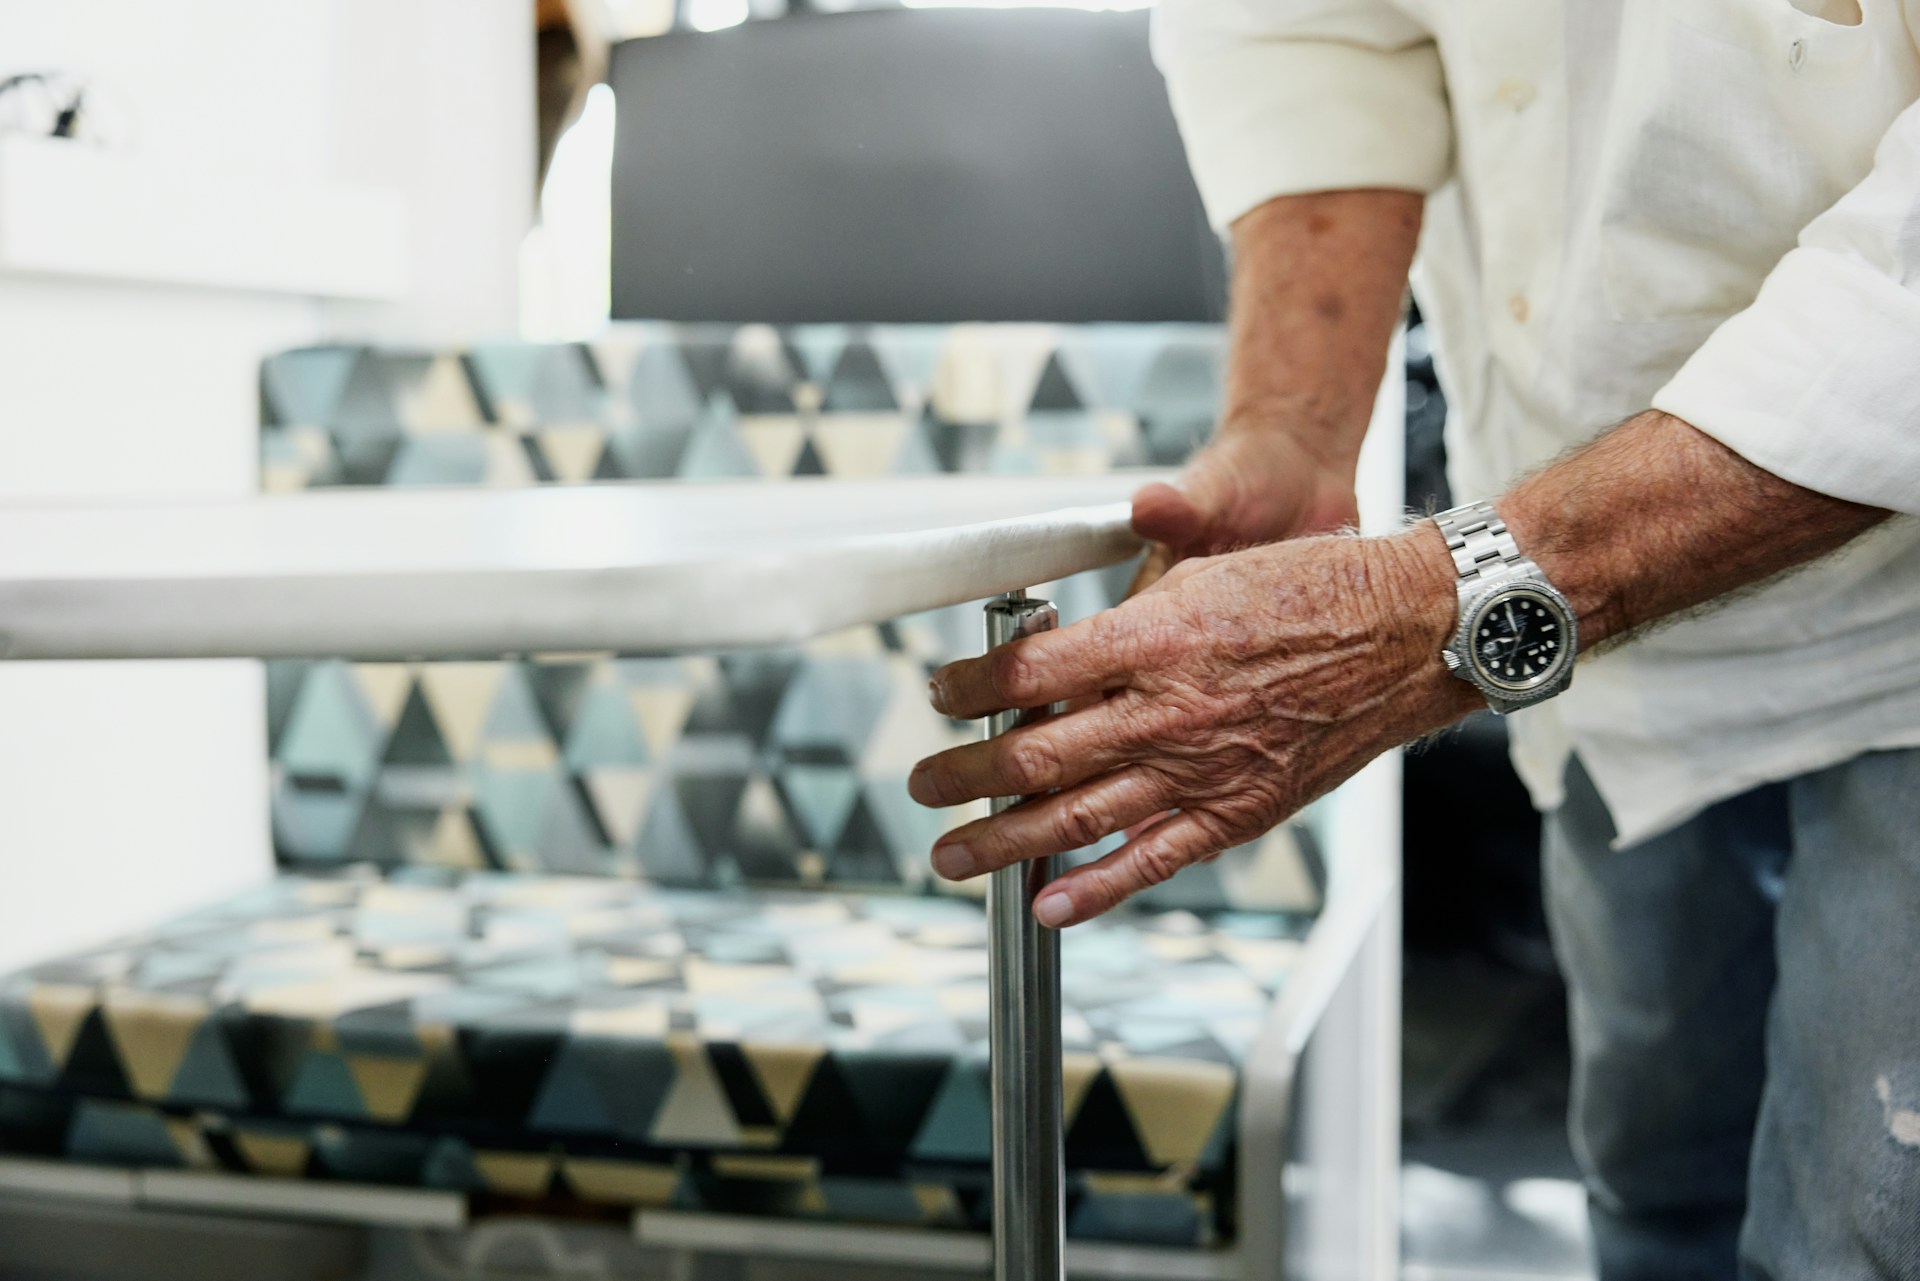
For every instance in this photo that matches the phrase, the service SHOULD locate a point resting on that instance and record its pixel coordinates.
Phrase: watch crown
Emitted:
(1451, 659)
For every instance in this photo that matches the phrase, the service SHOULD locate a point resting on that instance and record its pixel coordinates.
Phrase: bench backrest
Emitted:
(769, 767)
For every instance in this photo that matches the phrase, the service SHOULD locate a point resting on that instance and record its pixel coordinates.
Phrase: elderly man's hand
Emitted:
(1237, 690)
(1253, 484)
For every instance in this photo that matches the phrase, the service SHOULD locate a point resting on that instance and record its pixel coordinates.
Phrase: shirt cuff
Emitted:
(1815, 382)
(1266, 118)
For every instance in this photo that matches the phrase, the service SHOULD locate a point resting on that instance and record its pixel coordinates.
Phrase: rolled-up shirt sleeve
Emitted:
(1818, 381)
(1282, 97)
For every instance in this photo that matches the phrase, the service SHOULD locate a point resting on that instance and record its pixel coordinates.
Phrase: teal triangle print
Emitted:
(959, 1124)
(570, 1101)
(715, 450)
(324, 1087)
(819, 347)
(331, 734)
(120, 1134)
(303, 387)
(821, 796)
(910, 355)
(207, 1076)
(604, 732)
(661, 391)
(513, 805)
(416, 737)
(11, 1069)
(1055, 390)
(515, 716)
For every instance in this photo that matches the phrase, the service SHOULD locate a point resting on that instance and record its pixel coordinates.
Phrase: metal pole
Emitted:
(1023, 983)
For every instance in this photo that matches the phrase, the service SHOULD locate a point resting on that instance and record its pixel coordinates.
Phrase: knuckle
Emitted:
(1151, 635)
(1170, 640)
(1183, 571)
(1222, 832)
(1155, 864)
(1181, 718)
(1134, 716)
(1015, 675)
(1252, 809)
(1164, 787)
(993, 845)
(1032, 763)
(1134, 638)
(1080, 821)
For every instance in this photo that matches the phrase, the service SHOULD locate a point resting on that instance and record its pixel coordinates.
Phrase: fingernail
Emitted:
(1053, 910)
(955, 861)
(937, 695)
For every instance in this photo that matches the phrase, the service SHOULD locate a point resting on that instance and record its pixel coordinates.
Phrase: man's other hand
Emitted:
(1318, 282)
(1252, 485)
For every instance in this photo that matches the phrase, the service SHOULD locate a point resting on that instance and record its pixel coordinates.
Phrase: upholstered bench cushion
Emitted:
(622, 1044)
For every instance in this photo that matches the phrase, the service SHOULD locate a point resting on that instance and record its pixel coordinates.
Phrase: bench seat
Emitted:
(616, 1044)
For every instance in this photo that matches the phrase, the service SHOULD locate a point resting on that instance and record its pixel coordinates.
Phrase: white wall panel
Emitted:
(128, 791)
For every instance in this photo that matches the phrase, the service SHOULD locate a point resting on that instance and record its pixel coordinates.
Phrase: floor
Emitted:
(1489, 1190)
(1488, 1185)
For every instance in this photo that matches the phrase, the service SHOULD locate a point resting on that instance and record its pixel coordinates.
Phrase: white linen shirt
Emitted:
(1707, 206)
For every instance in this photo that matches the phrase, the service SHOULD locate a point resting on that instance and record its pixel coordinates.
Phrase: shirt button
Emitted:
(1517, 308)
(1515, 93)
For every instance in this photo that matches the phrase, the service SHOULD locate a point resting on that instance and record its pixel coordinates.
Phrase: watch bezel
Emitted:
(1535, 689)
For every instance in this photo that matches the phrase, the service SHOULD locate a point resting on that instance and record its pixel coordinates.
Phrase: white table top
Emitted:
(641, 567)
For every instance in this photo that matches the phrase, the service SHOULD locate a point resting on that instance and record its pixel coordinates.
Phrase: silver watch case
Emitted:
(1480, 594)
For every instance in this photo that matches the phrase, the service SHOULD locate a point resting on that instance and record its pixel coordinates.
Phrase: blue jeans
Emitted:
(1745, 997)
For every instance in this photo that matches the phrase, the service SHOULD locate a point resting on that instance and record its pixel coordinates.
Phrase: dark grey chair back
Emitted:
(905, 166)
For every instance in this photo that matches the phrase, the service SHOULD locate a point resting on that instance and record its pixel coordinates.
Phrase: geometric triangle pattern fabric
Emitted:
(769, 769)
(616, 1043)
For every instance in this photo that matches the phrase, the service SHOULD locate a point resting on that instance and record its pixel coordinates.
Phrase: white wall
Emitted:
(128, 791)
(435, 98)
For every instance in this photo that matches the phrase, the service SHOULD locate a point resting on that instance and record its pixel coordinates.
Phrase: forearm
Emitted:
(1652, 519)
(1655, 518)
(1318, 285)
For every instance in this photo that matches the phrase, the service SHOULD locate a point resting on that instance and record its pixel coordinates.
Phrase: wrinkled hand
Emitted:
(1237, 690)
(1251, 485)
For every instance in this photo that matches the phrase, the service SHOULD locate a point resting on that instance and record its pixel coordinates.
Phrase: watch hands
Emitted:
(1516, 630)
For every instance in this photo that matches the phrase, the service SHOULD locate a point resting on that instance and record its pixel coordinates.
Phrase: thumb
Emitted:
(1163, 514)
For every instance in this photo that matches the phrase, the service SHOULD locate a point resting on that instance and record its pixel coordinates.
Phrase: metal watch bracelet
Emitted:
(1478, 539)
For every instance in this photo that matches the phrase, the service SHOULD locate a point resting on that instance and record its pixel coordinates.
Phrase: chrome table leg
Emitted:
(1023, 980)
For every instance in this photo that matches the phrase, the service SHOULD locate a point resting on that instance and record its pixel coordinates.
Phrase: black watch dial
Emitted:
(1520, 639)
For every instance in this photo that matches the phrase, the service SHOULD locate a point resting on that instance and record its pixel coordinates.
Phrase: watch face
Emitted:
(1520, 639)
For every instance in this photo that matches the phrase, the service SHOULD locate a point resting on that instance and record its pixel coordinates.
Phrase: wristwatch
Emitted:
(1518, 637)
